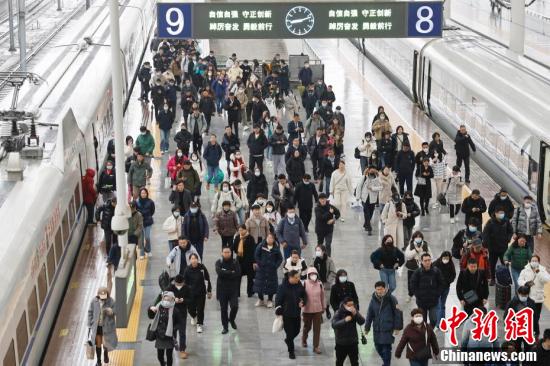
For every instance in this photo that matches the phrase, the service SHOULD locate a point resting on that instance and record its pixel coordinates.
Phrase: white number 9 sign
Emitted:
(175, 26)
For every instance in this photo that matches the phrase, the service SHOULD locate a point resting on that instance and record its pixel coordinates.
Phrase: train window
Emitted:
(543, 191)
(77, 200)
(42, 286)
(65, 226)
(58, 245)
(9, 358)
(32, 308)
(51, 265)
(71, 214)
(22, 336)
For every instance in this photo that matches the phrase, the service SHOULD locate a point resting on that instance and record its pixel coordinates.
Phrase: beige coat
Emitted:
(387, 183)
(257, 230)
(379, 127)
(393, 224)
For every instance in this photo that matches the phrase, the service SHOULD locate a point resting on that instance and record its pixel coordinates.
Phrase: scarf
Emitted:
(169, 327)
(322, 268)
(240, 248)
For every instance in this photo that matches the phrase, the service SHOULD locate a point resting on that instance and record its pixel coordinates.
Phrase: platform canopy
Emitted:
(271, 20)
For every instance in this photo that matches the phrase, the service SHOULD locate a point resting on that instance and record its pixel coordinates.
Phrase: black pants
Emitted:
(197, 145)
(493, 260)
(228, 300)
(409, 280)
(536, 318)
(292, 329)
(234, 126)
(424, 203)
(196, 308)
(169, 358)
(368, 211)
(256, 161)
(108, 233)
(454, 210)
(250, 283)
(315, 166)
(90, 207)
(157, 110)
(305, 216)
(208, 118)
(325, 238)
(405, 179)
(145, 89)
(226, 241)
(342, 352)
(466, 159)
(249, 111)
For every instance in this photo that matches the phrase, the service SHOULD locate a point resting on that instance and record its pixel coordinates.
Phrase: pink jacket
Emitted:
(315, 294)
(174, 166)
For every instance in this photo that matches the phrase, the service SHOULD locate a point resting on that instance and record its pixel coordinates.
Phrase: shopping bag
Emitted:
(167, 183)
(277, 324)
(90, 349)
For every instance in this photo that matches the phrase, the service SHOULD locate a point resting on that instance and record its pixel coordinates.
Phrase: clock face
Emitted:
(299, 20)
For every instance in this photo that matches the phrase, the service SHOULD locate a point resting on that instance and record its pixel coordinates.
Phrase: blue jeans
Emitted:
(418, 363)
(327, 186)
(268, 152)
(200, 248)
(211, 171)
(388, 276)
(240, 215)
(441, 305)
(289, 249)
(219, 104)
(384, 350)
(164, 140)
(146, 246)
(515, 276)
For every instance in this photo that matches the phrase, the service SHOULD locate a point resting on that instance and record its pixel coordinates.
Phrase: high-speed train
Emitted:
(42, 220)
(463, 78)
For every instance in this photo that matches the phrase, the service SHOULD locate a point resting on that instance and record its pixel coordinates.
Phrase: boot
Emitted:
(327, 310)
(98, 355)
(105, 355)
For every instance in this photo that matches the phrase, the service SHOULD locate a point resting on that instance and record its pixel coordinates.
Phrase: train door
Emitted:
(96, 145)
(415, 76)
(543, 189)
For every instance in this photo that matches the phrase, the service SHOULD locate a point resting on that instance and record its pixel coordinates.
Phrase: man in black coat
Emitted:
(474, 206)
(182, 295)
(316, 146)
(496, 235)
(105, 214)
(183, 139)
(296, 145)
(257, 184)
(326, 216)
(227, 287)
(305, 195)
(291, 298)
(404, 166)
(344, 324)
(426, 285)
(472, 288)
(181, 197)
(233, 108)
(309, 100)
(257, 142)
(503, 201)
(157, 96)
(463, 143)
(258, 108)
(144, 78)
(328, 165)
(230, 144)
(107, 181)
(282, 193)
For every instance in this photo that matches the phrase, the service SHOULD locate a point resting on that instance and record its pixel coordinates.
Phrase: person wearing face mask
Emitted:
(191, 179)
(399, 137)
(282, 193)
(472, 288)
(424, 186)
(326, 270)
(385, 147)
(197, 278)
(413, 253)
(445, 264)
(392, 217)
(228, 287)
(101, 325)
(453, 192)
(316, 147)
(517, 256)
(367, 191)
(226, 194)
(181, 293)
(386, 260)
(106, 184)
(230, 145)
(179, 257)
(520, 301)
(172, 227)
(381, 126)
(291, 232)
(305, 75)
(421, 155)
(146, 206)
(183, 139)
(366, 149)
(243, 245)
(439, 166)
(313, 123)
(465, 237)
(326, 216)
(195, 227)
(344, 324)
(436, 145)
(526, 220)
(474, 206)
(158, 94)
(196, 165)
(463, 144)
(404, 167)
(389, 186)
(144, 77)
(219, 87)
(175, 165)
(165, 320)
(480, 254)
(314, 308)
(295, 168)
(257, 143)
(295, 263)
(327, 166)
(181, 197)
(212, 155)
(409, 222)
(257, 225)
(496, 236)
(267, 260)
(226, 224)
(386, 319)
(427, 284)
(278, 142)
(272, 216)
(257, 184)
(233, 108)
(379, 111)
(503, 201)
(295, 128)
(146, 143)
(242, 204)
(138, 174)
(341, 290)
(325, 111)
(306, 196)
(419, 339)
(340, 188)
(207, 108)
(535, 276)
(309, 99)
(197, 126)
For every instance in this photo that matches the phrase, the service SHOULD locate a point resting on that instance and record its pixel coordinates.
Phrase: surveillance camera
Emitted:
(119, 224)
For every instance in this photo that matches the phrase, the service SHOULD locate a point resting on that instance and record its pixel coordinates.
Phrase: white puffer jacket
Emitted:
(539, 280)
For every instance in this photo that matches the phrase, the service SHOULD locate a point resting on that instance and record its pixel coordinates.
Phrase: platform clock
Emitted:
(299, 20)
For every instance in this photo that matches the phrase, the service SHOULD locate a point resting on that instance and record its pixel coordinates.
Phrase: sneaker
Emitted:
(408, 299)
(452, 220)
(327, 311)
(342, 219)
(224, 331)
(194, 321)
(259, 303)
(162, 152)
(149, 254)
(184, 355)
(269, 304)
(317, 350)
(199, 328)
(291, 355)
(141, 257)
(233, 324)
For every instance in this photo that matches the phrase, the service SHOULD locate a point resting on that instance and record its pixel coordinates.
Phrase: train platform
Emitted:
(359, 89)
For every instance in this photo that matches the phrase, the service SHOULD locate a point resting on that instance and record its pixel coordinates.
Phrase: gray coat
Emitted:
(138, 173)
(174, 258)
(368, 188)
(291, 233)
(454, 190)
(200, 121)
(110, 339)
(519, 221)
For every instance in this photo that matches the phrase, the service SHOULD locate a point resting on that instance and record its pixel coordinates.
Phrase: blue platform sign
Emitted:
(174, 20)
(271, 20)
(425, 19)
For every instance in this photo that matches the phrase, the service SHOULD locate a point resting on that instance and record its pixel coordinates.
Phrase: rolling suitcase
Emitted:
(503, 295)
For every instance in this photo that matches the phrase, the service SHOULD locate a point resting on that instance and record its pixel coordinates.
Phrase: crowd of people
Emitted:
(263, 227)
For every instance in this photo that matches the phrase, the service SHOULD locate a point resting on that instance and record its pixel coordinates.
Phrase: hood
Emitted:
(90, 173)
(311, 270)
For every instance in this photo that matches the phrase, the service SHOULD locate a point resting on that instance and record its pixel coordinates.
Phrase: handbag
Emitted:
(277, 324)
(421, 181)
(442, 197)
(470, 297)
(363, 337)
(167, 182)
(150, 335)
(90, 351)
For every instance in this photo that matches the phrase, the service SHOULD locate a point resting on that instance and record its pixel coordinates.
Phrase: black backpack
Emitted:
(357, 153)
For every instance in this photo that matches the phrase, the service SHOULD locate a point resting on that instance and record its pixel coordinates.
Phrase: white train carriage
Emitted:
(42, 220)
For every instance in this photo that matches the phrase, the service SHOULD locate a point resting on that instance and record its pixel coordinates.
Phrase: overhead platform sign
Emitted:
(265, 20)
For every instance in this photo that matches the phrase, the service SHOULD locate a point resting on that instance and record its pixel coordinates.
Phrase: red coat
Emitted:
(482, 258)
(175, 165)
(89, 193)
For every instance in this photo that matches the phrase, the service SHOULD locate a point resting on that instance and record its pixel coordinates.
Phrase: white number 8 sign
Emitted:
(424, 19)
(176, 26)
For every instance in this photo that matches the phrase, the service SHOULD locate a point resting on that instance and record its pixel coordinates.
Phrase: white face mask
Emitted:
(166, 303)
(179, 287)
(425, 150)
(324, 104)
(194, 210)
(291, 215)
(269, 208)
(535, 265)
(418, 319)
(445, 260)
(348, 308)
(180, 155)
(257, 173)
(523, 298)
(225, 189)
(318, 253)
(176, 214)
(313, 277)
(343, 279)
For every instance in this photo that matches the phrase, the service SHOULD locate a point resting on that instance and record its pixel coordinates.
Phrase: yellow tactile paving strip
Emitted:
(122, 357)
